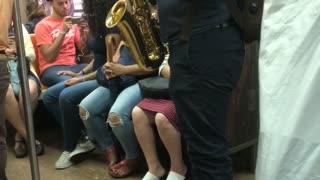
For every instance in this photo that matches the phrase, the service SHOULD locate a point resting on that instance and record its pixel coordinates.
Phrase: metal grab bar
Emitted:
(23, 72)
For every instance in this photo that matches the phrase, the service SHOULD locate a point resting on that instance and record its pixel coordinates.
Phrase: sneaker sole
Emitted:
(63, 167)
(76, 156)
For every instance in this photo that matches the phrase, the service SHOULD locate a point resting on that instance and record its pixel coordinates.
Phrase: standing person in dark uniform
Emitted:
(205, 68)
(6, 18)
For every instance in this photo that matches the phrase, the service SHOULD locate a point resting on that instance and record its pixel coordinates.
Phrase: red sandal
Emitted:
(124, 168)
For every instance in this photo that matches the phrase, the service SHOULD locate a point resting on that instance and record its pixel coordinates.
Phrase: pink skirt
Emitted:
(166, 107)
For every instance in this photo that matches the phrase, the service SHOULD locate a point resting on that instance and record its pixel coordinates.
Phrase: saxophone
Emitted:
(138, 30)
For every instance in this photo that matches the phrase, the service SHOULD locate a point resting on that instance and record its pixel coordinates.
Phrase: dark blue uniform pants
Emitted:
(4, 83)
(203, 74)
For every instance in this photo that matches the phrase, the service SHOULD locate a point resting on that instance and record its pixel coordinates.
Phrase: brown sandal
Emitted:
(124, 168)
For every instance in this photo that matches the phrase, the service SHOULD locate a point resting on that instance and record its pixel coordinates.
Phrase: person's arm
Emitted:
(6, 8)
(88, 68)
(85, 70)
(50, 50)
(114, 69)
(136, 70)
(79, 79)
(164, 69)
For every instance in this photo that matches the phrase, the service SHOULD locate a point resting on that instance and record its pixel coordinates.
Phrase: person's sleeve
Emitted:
(28, 46)
(42, 34)
(164, 63)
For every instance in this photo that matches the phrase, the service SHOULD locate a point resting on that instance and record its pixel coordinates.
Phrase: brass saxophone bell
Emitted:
(133, 19)
(116, 13)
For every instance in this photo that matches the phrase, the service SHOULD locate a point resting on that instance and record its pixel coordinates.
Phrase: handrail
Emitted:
(23, 72)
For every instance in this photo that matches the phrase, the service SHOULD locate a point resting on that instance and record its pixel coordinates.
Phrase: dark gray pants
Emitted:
(203, 74)
(4, 82)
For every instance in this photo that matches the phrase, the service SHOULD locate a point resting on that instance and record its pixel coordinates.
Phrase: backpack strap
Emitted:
(190, 10)
(235, 12)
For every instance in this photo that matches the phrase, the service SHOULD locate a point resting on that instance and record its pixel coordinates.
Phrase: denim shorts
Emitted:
(14, 76)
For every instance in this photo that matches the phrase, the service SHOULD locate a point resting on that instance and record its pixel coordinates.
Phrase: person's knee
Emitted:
(10, 92)
(47, 97)
(84, 113)
(136, 116)
(34, 92)
(162, 121)
(114, 119)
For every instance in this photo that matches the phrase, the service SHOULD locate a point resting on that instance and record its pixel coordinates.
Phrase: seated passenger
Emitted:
(62, 99)
(13, 104)
(35, 13)
(57, 39)
(162, 114)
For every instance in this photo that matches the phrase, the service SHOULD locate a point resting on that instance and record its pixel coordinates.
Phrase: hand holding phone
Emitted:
(75, 20)
(67, 25)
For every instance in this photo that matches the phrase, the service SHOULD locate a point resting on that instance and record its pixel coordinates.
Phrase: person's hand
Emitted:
(10, 53)
(73, 81)
(83, 25)
(67, 73)
(112, 69)
(67, 25)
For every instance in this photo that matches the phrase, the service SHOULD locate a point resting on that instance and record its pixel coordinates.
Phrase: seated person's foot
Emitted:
(111, 156)
(64, 161)
(178, 172)
(83, 147)
(124, 168)
(39, 148)
(175, 176)
(154, 175)
(20, 148)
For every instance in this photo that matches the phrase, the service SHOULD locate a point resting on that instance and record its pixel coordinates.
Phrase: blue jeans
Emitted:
(119, 83)
(49, 76)
(62, 102)
(97, 105)
(124, 131)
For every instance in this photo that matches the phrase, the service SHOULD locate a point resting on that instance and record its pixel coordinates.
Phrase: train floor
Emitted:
(91, 167)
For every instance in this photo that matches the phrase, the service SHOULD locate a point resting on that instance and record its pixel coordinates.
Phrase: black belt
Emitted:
(223, 25)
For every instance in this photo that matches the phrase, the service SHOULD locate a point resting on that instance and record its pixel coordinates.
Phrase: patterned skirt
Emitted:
(166, 107)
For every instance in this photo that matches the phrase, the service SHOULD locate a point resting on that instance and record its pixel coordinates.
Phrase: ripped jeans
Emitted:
(94, 109)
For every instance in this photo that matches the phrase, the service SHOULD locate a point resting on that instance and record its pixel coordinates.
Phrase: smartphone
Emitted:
(75, 20)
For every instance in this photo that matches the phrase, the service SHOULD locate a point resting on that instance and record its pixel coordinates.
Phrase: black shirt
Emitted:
(208, 14)
(98, 46)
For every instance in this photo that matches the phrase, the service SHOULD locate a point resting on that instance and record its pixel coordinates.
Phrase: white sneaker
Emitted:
(83, 148)
(63, 161)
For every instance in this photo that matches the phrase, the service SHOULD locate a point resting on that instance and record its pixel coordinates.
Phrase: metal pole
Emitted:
(23, 72)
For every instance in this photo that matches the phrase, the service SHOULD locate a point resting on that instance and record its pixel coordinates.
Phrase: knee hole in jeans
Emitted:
(114, 119)
(84, 113)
